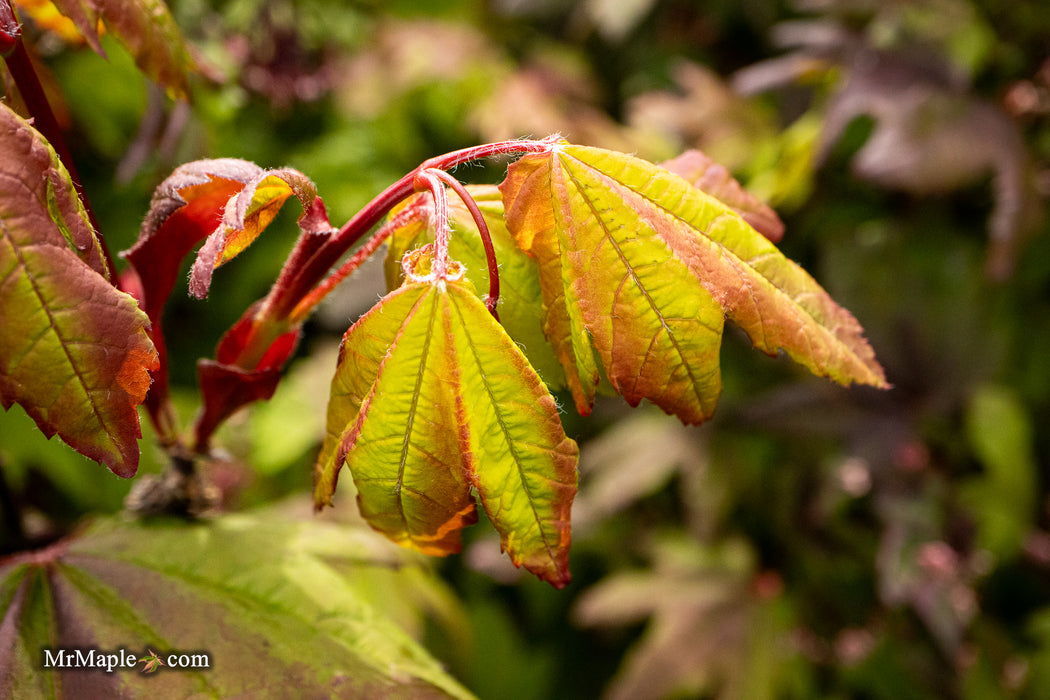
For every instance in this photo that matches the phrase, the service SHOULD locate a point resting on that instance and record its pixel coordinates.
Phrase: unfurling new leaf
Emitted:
(430, 399)
(73, 349)
(226, 203)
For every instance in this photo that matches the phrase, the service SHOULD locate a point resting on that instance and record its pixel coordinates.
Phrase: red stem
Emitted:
(304, 307)
(283, 300)
(428, 179)
(486, 238)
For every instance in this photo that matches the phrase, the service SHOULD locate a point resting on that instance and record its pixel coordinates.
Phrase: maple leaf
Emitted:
(247, 214)
(640, 269)
(74, 351)
(151, 662)
(330, 608)
(225, 202)
(431, 398)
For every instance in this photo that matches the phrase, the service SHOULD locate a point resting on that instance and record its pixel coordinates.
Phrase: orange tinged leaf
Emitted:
(227, 203)
(74, 351)
(245, 216)
(647, 266)
(403, 446)
(186, 208)
(523, 465)
(537, 229)
(430, 398)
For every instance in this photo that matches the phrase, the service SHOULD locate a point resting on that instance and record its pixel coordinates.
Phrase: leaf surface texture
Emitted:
(74, 351)
(643, 267)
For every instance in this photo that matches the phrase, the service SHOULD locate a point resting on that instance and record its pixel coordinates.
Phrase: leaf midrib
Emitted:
(694, 382)
(57, 331)
(506, 434)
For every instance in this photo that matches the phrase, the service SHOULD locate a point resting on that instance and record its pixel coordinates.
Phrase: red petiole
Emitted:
(299, 290)
(314, 269)
(486, 238)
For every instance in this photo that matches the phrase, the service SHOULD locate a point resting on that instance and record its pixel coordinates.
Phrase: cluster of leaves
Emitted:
(636, 269)
(813, 543)
(623, 273)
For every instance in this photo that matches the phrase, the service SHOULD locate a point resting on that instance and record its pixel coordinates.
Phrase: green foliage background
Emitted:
(809, 541)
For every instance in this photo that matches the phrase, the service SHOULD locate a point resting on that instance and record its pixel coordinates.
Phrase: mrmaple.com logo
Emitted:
(109, 661)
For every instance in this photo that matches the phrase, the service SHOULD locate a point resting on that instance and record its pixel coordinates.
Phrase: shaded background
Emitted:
(809, 541)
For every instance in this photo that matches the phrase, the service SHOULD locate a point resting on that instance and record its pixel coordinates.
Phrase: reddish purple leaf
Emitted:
(229, 202)
(186, 208)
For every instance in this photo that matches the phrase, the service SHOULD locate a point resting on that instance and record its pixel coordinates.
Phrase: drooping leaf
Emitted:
(226, 201)
(524, 467)
(390, 407)
(146, 28)
(74, 351)
(645, 266)
(520, 300)
(263, 595)
(431, 397)
(537, 230)
(186, 208)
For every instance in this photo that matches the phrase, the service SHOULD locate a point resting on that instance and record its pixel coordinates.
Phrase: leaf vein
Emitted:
(38, 293)
(511, 447)
(694, 380)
